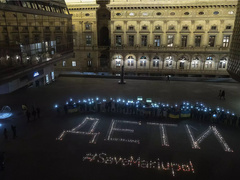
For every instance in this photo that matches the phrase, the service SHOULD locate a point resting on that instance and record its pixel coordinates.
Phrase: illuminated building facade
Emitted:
(234, 61)
(34, 35)
(152, 37)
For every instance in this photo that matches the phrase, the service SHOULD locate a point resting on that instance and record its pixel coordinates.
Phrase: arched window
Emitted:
(155, 61)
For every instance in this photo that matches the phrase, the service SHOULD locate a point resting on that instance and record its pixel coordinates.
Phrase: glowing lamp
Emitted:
(70, 99)
(56, 106)
(214, 115)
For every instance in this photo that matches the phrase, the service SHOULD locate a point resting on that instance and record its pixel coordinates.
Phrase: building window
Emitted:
(215, 12)
(145, 14)
(57, 28)
(131, 28)
(88, 55)
(144, 40)
(130, 63)
(198, 41)
(172, 13)
(143, 63)
(87, 14)
(144, 27)
(157, 41)
(155, 63)
(74, 63)
(186, 13)
(185, 28)
(211, 42)
(228, 27)
(87, 26)
(184, 41)
(89, 63)
(88, 40)
(158, 14)
(131, 14)
(199, 27)
(170, 39)
(131, 40)
(118, 40)
(230, 12)
(226, 40)
(118, 63)
(64, 63)
(118, 28)
(201, 13)
(214, 28)
(171, 28)
(157, 28)
(118, 14)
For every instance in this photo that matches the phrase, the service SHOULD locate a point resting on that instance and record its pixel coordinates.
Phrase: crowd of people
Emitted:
(197, 111)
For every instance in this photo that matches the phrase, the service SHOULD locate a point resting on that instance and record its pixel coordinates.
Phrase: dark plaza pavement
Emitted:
(35, 153)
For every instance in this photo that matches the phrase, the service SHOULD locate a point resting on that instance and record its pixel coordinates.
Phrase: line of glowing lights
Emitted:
(90, 132)
(163, 131)
(172, 167)
(113, 128)
(204, 135)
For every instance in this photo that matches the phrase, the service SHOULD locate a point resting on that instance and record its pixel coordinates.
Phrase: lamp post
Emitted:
(122, 76)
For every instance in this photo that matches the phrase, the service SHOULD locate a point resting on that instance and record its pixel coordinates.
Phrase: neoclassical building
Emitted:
(152, 37)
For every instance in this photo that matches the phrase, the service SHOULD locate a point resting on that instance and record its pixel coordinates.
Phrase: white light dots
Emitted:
(90, 132)
(204, 135)
(163, 132)
(113, 128)
(158, 165)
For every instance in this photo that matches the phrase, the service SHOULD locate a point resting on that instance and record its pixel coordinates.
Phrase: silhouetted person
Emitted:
(14, 131)
(38, 112)
(28, 114)
(34, 113)
(220, 94)
(223, 94)
(5, 133)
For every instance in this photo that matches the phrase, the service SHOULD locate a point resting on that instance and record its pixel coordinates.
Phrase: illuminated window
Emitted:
(87, 26)
(230, 12)
(89, 63)
(74, 63)
(131, 14)
(64, 63)
(226, 41)
(157, 41)
(170, 39)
